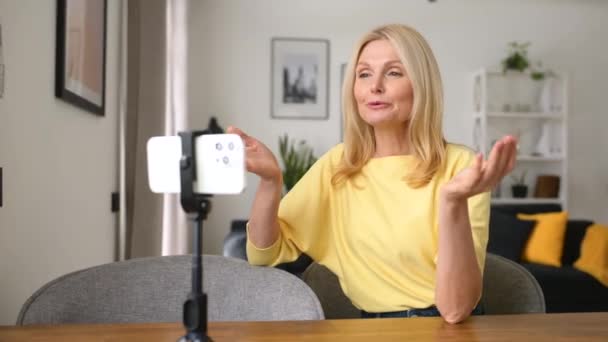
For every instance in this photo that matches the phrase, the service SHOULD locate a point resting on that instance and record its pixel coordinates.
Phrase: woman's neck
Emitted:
(391, 141)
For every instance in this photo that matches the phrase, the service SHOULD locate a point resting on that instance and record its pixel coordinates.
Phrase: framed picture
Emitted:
(300, 78)
(80, 59)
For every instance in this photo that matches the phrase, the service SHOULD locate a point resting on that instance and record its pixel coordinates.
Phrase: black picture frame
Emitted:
(80, 57)
(308, 59)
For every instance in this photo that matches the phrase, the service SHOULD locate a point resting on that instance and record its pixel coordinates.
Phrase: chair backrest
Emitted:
(326, 286)
(154, 290)
(508, 288)
(234, 245)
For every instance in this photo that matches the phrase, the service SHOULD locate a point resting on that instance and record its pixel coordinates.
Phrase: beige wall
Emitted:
(230, 71)
(60, 162)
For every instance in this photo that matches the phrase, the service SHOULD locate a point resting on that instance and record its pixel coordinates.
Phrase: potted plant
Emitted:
(519, 187)
(517, 58)
(297, 158)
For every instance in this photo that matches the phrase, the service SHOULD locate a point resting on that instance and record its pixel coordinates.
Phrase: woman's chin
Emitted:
(381, 122)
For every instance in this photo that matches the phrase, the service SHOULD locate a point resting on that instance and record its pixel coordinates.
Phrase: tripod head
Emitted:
(192, 203)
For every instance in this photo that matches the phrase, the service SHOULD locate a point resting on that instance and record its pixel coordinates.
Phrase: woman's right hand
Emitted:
(258, 158)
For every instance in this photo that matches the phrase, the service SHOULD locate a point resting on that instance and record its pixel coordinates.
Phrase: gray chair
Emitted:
(326, 286)
(154, 289)
(508, 288)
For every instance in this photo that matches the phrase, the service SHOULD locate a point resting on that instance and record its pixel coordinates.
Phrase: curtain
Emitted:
(156, 105)
(175, 233)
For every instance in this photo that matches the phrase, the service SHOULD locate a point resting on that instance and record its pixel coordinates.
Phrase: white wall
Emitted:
(230, 71)
(60, 162)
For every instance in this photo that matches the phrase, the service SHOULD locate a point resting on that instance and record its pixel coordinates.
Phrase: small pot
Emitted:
(519, 191)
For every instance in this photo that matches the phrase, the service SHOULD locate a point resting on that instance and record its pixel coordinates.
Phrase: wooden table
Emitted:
(534, 327)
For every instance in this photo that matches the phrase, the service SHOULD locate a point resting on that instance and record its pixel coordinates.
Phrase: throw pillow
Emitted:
(508, 235)
(546, 241)
(594, 253)
(573, 240)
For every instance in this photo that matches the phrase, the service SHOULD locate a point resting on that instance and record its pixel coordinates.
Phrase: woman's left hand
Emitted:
(483, 175)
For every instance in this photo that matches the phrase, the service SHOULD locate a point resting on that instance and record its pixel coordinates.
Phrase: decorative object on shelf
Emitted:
(519, 187)
(80, 61)
(296, 160)
(527, 140)
(517, 58)
(300, 78)
(477, 94)
(496, 192)
(543, 146)
(538, 73)
(550, 96)
(547, 186)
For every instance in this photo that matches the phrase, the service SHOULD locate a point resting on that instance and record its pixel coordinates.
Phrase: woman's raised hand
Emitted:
(258, 158)
(484, 175)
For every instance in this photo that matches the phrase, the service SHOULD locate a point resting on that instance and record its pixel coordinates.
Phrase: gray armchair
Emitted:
(154, 289)
(508, 288)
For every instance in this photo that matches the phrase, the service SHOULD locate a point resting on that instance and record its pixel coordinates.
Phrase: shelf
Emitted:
(528, 200)
(541, 125)
(540, 159)
(526, 115)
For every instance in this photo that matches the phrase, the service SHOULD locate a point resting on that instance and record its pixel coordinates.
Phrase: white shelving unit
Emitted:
(536, 111)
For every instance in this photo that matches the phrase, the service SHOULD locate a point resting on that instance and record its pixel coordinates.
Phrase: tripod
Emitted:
(195, 307)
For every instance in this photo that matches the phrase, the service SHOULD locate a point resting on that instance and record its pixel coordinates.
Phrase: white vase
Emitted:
(543, 147)
(550, 97)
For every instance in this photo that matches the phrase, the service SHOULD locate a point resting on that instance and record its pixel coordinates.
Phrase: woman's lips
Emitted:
(377, 105)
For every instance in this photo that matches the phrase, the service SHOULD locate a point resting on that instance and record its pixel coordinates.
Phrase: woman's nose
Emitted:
(377, 86)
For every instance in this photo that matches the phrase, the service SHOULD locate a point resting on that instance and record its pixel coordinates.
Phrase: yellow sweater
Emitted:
(379, 239)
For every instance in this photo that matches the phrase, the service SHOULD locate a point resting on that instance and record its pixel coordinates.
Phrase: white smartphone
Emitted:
(219, 160)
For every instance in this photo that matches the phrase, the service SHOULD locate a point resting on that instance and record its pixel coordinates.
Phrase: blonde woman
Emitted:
(397, 213)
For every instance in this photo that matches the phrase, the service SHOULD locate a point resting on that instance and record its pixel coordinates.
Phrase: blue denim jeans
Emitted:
(427, 312)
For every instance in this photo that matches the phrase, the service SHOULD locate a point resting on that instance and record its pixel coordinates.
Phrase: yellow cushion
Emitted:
(594, 253)
(546, 242)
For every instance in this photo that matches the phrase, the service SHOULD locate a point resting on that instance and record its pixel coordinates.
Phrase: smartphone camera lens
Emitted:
(231, 146)
(225, 160)
(218, 146)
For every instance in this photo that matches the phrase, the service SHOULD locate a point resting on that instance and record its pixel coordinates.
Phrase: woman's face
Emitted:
(382, 89)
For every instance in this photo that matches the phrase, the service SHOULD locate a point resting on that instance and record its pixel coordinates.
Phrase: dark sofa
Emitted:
(566, 289)
(236, 240)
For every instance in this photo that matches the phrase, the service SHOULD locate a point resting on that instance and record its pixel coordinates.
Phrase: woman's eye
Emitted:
(395, 73)
(363, 74)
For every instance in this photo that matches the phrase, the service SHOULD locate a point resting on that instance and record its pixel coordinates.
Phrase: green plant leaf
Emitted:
(297, 158)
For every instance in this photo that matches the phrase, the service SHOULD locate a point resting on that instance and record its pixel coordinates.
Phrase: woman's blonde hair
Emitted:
(425, 132)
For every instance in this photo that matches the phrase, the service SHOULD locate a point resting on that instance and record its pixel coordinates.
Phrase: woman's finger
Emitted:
(490, 166)
(503, 160)
(512, 160)
(246, 138)
(477, 168)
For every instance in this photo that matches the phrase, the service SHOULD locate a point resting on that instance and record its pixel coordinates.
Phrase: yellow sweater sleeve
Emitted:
(304, 217)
